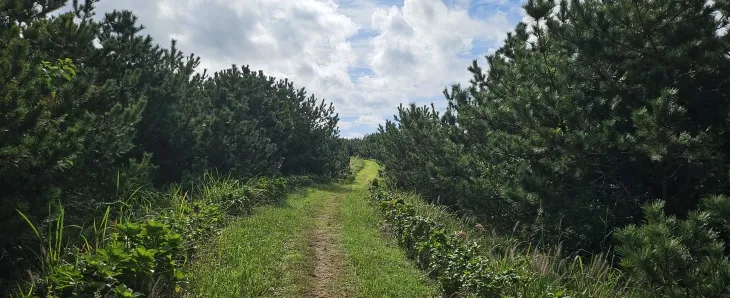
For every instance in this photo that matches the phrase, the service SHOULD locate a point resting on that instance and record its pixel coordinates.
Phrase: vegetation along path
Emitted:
(324, 241)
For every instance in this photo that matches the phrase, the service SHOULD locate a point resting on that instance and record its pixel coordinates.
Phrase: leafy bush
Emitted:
(457, 266)
(144, 250)
(295, 182)
(466, 256)
(137, 257)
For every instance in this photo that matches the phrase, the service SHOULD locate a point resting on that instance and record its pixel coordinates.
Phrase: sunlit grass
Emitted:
(378, 267)
(260, 255)
(268, 254)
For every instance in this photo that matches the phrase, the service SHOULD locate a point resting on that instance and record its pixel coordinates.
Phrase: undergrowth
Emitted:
(140, 249)
(468, 261)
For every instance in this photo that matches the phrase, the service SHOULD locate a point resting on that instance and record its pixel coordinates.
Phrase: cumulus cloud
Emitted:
(370, 120)
(363, 55)
(421, 48)
(344, 125)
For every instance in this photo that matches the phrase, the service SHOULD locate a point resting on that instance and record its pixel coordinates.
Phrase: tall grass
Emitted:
(52, 249)
(190, 214)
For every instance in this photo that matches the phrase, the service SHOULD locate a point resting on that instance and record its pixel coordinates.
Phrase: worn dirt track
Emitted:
(329, 265)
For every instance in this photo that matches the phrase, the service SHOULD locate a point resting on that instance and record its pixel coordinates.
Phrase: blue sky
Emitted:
(365, 56)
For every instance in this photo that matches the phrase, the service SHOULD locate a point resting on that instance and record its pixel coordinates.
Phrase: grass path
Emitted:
(327, 279)
(377, 266)
(321, 242)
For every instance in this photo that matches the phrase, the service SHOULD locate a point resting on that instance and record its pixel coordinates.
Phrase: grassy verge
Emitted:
(378, 268)
(530, 272)
(139, 246)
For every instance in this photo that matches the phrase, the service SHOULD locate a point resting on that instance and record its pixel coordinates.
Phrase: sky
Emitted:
(365, 56)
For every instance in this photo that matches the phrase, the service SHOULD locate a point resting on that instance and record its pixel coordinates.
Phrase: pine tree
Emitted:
(587, 112)
(678, 257)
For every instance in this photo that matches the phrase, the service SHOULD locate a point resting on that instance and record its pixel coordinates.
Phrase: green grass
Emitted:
(268, 253)
(356, 165)
(378, 267)
(261, 255)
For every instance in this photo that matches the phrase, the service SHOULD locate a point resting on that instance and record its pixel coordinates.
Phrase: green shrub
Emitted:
(137, 258)
(457, 266)
(148, 245)
(196, 222)
(468, 259)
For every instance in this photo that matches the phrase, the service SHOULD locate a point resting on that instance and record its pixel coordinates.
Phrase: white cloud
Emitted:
(406, 52)
(344, 125)
(370, 120)
(360, 11)
(501, 2)
(420, 50)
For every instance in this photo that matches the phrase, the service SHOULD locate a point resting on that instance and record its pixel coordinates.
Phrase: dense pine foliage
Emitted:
(92, 111)
(598, 125)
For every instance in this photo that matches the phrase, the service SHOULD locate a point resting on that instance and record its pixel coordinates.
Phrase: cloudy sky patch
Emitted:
(365, 56)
